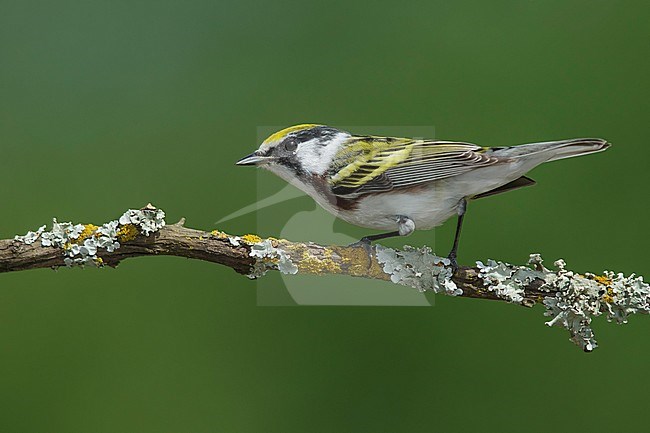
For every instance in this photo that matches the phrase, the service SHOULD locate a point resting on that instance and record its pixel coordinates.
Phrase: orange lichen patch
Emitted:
(608, 297)
(603, 280)
(219, 234)
(356, 262)
(127, 233)
(88, 231)
(318, 265)
(251, 239)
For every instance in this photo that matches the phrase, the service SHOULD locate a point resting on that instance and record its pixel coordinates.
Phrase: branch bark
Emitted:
(235, 252)
(570, 298)
(173, 240)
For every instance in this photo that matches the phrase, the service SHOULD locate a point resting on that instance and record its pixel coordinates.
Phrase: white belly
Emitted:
(428, 205)
(432, 204)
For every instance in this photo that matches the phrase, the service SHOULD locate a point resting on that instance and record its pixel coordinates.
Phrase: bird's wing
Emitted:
(376, 164)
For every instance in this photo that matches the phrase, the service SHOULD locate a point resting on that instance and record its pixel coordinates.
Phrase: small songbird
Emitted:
(402, 184)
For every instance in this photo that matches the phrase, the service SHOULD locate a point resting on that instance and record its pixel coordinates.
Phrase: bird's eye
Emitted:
(291, 145)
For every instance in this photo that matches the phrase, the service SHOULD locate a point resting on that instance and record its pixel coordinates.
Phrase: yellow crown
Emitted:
(283, 133)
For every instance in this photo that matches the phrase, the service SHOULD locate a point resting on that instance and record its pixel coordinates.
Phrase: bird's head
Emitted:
(298, 151)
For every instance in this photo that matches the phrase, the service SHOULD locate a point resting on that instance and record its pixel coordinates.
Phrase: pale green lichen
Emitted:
(147, 220)
(573, 299)
(269, 257)
(572, 302)
(418, 268)
(508, 281)
(80, 243)
(31, 236)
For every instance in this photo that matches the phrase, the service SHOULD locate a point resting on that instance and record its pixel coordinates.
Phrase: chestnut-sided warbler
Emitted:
(402, 184)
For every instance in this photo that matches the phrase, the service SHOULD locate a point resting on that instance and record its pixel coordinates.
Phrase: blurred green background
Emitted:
(110, 105)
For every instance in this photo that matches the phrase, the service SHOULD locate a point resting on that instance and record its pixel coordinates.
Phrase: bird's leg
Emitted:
(462, 207)
(371, 238)
(366, 241)
(405, 226)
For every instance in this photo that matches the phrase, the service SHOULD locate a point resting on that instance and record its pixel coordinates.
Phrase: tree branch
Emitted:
(570, 299)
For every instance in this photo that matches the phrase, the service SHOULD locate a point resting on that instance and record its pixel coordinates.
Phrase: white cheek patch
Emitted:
(316, 158)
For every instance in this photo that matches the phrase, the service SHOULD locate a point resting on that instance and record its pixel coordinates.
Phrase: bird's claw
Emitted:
(453, 263)
(364, 243)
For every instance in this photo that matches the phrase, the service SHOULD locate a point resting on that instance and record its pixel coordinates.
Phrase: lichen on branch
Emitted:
(570, 299)
(80, 243)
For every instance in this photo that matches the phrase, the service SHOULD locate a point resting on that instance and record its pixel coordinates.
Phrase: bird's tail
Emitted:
(554, 150)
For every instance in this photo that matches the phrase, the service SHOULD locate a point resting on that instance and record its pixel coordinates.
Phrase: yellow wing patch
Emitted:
(370, 158)
(379, 163)
(371, 171)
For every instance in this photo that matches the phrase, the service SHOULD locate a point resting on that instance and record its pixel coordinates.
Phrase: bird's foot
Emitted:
(365, 243)
(452, 262)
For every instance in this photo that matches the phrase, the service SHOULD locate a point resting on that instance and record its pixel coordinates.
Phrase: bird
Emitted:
(399, 185)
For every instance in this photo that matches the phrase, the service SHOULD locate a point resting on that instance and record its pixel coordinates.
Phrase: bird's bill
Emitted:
(254, 159)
